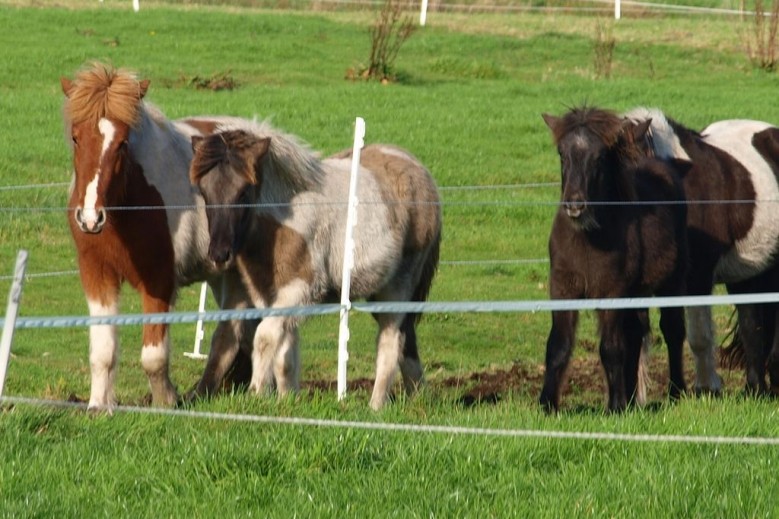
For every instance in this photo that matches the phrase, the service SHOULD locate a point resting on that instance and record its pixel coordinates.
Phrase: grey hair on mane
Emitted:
(664, 140)
(293, 161)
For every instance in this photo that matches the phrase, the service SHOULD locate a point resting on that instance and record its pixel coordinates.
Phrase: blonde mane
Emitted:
(103, 91)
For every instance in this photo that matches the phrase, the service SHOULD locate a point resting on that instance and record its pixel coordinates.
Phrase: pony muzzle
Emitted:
(574, 208)
(90, 220)
(222, 258)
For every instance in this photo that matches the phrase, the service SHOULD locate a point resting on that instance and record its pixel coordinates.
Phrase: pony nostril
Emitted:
(101, 217)
(574, 208)
(79, 217)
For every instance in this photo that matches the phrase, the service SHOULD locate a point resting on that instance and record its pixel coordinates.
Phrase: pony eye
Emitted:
(74, 139)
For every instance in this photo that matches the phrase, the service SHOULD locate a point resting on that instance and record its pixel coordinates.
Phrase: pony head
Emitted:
(594, 146)
(102, 105)
(227, 170)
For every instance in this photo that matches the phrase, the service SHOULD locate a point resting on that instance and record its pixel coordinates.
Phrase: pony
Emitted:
(274, 213)
(733, 237)
(134, 217)
(620, 231)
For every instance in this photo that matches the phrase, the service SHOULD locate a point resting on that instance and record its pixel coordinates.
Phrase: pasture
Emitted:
(468, 104)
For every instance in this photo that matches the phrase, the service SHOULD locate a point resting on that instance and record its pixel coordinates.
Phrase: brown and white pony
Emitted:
(278, 213)
(733, 221)
(135, 217)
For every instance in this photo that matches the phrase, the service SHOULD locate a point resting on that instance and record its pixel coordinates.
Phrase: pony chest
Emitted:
(610, 265)
(274, 258)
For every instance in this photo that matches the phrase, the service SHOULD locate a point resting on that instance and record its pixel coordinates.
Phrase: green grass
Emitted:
(468, 105)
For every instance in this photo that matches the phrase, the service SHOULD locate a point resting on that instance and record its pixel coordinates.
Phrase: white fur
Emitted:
(276, 339)
(666, 142)
(755, 252)
(103, 357)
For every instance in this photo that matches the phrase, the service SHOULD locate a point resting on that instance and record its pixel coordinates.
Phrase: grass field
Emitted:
(468, 104)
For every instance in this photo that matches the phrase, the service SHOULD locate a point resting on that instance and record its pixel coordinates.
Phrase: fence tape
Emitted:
(532, 306)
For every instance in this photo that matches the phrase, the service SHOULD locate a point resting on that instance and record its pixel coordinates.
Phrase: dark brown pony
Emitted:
(619, 232)
(134, 217)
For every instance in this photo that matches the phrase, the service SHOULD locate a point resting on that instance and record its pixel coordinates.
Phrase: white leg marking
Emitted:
(155, 362)
(700, 335)
(103, 357)
(267, 341)
(286, 365)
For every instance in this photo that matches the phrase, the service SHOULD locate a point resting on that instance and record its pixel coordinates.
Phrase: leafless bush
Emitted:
(388, 33)
(603, 49)
(760, 38)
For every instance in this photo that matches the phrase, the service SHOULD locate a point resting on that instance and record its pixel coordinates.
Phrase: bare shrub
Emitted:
(388, 33)
(761, 35)
(603, 49)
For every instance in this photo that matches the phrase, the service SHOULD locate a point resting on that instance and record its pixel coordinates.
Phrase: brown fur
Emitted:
(132, 246)
(103, 91)
(278, 258)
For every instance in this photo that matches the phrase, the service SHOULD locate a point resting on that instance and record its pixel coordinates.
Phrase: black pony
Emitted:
(608, 241)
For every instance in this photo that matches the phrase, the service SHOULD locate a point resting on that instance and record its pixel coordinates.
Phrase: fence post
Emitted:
(617, 9)
(14, 296)
(346, 279)
(423, 13)
(199, 334)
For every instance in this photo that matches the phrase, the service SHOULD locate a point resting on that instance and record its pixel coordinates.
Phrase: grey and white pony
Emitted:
(277, 213)
(733, 218)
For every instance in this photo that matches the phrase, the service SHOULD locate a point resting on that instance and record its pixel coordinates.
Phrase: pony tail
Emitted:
(429, 270)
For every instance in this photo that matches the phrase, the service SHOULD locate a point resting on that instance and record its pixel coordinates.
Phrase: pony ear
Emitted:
(67, 86)
(551, 121)
(638, 129)
(258, 149)
(197, 141)
(143, 86)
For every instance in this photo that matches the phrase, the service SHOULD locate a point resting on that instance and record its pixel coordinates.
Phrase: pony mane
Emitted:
(661, 135)
(294, 164)
(104, 91)
(605, 124)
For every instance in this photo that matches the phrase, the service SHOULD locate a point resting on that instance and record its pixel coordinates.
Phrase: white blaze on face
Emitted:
(107, 130)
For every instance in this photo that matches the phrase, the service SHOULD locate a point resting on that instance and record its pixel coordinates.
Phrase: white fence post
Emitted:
(199, 334)
(617, 9)
(14, 296)
(346, 280)
(423, 13)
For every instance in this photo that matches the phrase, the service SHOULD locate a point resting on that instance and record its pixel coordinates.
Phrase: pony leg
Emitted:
(700, 335)
(613, 357)
(672, 327)
(646, 342)
(155, 355)
(559, 346)
(410, 366)
(286, 364)
(772, 360)
(267, 342)
(751, 327)
(232, 341)
(635, 328)
(224, 349)
(103, 356)
(388, 357)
